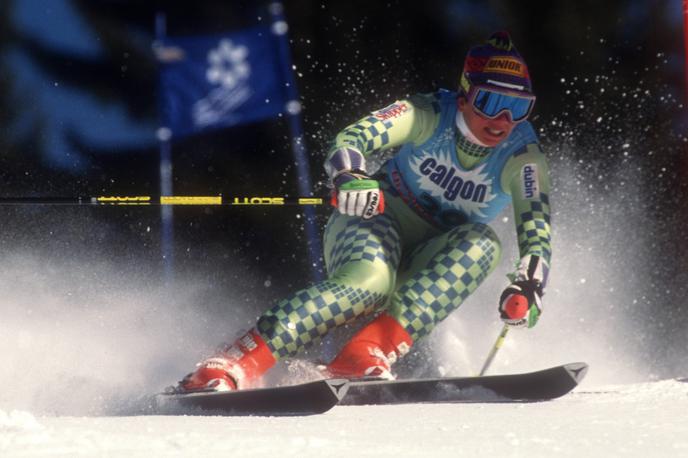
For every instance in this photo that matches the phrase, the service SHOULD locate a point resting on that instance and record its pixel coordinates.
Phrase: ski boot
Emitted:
(371, 351)
(233, 367)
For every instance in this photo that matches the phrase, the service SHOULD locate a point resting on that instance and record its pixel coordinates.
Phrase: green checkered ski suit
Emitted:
(399, 261)
(438, 271)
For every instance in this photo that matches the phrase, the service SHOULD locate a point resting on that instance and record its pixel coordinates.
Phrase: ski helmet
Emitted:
(497, 64)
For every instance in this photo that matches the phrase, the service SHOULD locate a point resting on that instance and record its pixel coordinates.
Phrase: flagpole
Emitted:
(164, 135)
(685, 46)
(293, 113)
(685, 79)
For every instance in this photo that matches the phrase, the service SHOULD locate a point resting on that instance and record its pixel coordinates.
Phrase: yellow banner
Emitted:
(258, 201)
(136, 200)
(310, 201)
(203, 200)
(190, 200)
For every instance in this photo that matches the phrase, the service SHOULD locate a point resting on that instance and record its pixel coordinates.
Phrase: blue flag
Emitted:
(220, 81)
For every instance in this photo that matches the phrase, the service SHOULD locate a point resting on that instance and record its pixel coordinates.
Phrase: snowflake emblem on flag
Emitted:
(228, 64)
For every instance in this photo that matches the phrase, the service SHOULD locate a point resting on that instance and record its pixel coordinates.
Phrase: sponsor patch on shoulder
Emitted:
(393, 111)
(529, 181)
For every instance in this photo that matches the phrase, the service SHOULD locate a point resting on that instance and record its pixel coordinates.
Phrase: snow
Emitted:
(82, 338)
(635, 420)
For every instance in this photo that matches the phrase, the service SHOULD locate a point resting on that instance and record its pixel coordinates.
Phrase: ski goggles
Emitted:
(491, 103)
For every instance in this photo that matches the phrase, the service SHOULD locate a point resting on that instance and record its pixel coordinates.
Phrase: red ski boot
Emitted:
(372, 350)
(233, 367)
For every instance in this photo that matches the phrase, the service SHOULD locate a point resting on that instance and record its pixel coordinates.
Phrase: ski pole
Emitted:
(497, 345)
(162, 200)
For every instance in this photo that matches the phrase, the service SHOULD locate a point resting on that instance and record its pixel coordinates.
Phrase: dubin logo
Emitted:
(530, 183)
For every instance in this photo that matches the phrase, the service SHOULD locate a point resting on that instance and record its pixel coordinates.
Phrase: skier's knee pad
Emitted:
(454, 265)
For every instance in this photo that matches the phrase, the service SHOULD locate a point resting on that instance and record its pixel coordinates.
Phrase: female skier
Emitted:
(412, 241)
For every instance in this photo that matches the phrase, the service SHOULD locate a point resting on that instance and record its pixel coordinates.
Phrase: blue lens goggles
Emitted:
(491, 104)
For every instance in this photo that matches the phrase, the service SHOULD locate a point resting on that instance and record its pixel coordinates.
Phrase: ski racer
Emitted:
(412, 242)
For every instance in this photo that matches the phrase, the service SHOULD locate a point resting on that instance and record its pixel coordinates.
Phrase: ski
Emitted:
(320, 396)
(542, 385)
(303, 399)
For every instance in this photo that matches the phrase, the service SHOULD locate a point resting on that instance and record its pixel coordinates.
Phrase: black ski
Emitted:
(320, 396)
(303, 399)
(529, 387)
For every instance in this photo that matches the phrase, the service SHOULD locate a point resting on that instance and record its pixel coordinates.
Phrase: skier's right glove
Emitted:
(356, 194)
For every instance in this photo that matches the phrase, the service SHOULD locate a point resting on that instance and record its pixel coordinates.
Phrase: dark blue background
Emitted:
(79, 112)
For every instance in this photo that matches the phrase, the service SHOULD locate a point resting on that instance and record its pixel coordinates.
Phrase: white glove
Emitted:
(356, 194)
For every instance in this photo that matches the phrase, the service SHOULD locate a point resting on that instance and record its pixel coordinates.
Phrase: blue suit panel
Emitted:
(432, 181)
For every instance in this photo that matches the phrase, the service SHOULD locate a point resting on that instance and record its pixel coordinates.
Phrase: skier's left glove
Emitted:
(520, 305)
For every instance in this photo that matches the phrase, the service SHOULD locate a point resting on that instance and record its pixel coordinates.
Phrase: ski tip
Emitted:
(309, 398)
(577, 371)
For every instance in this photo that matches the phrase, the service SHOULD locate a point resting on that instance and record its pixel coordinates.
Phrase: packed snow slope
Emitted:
(84, 335)
(635, 420)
